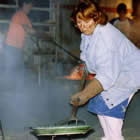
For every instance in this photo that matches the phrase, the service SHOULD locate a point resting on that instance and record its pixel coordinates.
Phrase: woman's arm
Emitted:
(28, 29)
(92, 89)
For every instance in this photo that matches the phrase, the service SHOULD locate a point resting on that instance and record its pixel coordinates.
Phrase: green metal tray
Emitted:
(61, 130)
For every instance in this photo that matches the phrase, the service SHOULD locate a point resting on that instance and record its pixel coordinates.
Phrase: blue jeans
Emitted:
(14, 67)
(98, 106)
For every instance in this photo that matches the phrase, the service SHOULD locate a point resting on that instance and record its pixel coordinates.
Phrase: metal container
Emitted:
(61, 130)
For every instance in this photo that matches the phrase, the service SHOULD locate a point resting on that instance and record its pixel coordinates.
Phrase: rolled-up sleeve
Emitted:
(108, 65)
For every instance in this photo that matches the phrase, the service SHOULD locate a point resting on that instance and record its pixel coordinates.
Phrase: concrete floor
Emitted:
(46, 101)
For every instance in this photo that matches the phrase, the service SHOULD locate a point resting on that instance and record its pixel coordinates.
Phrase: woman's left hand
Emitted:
(78, 99)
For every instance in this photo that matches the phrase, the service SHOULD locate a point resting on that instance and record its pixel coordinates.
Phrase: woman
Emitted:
(114, 60)
(123, 23)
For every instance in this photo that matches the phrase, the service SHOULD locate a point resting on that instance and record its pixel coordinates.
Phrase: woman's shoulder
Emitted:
(110, 36)
(111, 32)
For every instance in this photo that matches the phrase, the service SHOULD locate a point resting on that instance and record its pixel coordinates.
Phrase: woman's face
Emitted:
(27, 7)
(87, 27)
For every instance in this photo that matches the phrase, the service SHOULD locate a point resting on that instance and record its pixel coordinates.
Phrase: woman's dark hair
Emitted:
(21, 2)
(121, 7)
(88, 10)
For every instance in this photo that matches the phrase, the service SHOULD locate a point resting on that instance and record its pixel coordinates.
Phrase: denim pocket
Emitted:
(97, 105)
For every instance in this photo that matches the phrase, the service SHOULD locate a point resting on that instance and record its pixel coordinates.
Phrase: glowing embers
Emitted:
(77, 73)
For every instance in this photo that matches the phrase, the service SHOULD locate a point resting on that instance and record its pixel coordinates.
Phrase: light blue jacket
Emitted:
(114, 60)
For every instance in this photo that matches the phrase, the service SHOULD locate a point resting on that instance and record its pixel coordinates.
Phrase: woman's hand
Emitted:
(92, 89)
(78, 99)
(28, 30)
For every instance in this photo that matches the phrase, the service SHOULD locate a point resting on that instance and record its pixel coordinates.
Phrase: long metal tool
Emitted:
(73, 118)
(66, 51)
(46, 37)
(82, 85)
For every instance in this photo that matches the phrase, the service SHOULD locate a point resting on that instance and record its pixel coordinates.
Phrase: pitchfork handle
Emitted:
(82, 85)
